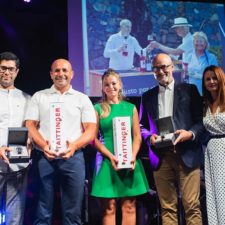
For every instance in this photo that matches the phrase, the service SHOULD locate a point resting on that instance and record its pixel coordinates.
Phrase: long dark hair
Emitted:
(207, 97)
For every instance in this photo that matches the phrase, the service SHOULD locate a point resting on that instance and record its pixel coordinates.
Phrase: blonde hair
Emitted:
(104, 102)
(201, 34)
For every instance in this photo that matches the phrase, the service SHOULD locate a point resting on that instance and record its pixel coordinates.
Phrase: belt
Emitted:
(217, 136)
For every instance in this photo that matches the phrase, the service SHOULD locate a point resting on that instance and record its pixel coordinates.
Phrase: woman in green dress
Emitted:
(109, 183)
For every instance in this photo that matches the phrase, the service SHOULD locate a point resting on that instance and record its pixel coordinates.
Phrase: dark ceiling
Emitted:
(37, 33)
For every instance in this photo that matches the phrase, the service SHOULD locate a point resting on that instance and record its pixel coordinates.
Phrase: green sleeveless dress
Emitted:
(107, 182)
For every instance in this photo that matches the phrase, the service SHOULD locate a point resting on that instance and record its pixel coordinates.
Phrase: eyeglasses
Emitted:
(3, 69)
(158, 68)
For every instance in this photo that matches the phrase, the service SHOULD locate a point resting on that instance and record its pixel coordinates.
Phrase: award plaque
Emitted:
(17, 142)
(165, 128)
(122, 141)
(57, 127)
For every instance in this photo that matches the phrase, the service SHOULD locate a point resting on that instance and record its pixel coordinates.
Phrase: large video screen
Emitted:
(126, 34)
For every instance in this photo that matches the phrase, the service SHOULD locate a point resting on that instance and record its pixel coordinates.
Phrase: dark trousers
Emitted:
(71, 175)
(13, 187)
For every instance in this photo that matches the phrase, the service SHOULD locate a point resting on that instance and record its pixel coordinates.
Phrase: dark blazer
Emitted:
(187, 115)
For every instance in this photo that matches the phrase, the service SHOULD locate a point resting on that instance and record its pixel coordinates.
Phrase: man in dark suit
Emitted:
(178, 165)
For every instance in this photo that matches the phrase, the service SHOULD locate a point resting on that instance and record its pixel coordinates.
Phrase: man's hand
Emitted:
(154, 44)
(183, 135)
(122, 48)
(149, 48)
(49, 154)
(69, 152)
(29, 146)
(3, 151)
(153, 139)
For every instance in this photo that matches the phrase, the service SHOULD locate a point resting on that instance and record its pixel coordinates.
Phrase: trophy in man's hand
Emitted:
(17, 142)
(165, 128)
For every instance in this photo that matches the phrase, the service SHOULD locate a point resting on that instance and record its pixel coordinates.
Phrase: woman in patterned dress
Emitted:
(213, 87)
(110, 184)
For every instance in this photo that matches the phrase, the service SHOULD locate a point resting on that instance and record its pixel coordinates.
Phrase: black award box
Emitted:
(17, 142)
(165, 127)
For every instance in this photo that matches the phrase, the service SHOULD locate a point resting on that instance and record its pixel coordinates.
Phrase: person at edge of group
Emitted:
(68, 166)
(13, 176)
(182, 28)
(109, 183)
(121, 47)
(213, 88)
(199, 59)
(176, 167)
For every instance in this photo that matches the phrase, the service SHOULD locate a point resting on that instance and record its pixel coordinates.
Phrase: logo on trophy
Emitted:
(57, 127)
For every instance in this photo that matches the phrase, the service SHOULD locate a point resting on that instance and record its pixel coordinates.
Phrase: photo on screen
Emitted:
(126, 35)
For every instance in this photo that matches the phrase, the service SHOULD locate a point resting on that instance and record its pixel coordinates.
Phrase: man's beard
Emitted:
(165, 80)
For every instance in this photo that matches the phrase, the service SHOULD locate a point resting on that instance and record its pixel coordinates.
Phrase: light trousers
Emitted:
(173, 178)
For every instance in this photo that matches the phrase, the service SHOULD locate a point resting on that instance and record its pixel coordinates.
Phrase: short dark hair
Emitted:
(10, 56)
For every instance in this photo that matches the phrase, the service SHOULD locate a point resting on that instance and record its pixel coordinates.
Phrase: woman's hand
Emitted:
(133, 162)
(114, 161)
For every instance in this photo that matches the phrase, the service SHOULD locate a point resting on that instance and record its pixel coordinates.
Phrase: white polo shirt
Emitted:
(78, 109)
(12, 112)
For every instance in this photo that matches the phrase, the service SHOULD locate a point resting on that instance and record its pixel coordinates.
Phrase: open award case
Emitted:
(17, 142)
(165, 127)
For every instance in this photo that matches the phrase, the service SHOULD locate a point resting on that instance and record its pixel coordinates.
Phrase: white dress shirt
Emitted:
(78, 109)
(165, 100)
(12, 112)
(117, 60)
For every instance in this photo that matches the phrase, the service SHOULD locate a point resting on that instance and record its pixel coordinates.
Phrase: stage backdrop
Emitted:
(98, 19)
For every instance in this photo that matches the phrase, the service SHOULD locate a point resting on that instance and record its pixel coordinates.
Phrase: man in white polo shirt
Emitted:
(182, 28)
(75, 126)
(13, 176)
